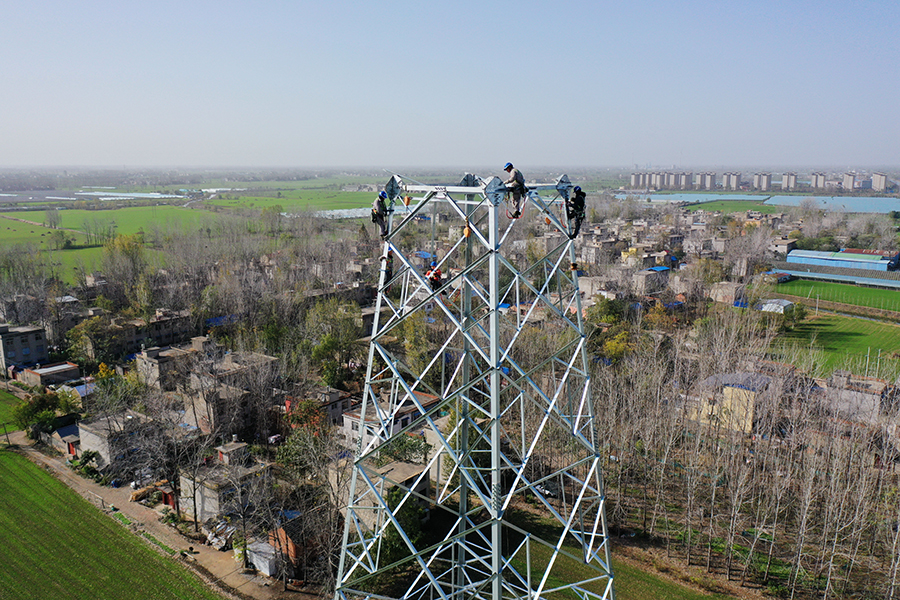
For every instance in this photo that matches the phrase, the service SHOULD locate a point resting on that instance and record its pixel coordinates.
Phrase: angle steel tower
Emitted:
(487, 365)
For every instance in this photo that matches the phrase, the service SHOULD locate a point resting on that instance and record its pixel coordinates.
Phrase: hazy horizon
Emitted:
(207, 85)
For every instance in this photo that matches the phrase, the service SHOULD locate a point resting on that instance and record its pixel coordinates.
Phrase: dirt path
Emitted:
(220, 567)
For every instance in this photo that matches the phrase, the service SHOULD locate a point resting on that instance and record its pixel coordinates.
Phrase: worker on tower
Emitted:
(379, 213)
(388, 265)
(575, 210)
(434, 276)
(515, 184)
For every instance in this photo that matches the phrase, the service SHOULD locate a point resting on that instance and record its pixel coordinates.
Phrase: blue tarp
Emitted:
(223, 320)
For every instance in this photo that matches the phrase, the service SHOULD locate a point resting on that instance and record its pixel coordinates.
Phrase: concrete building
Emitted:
(783, 245)
(859, 399)
(879, 182)
(788, 181)
(356, 426)
(114, 438)
(50, 374)
(731, 181)
(727, 292)
(706, 181)
(651, 281)
(128, 336)
(762, 181)
(817, 181)
(332, 402)
(218, 486)
(22, 346)
(640, 181)
(730, 401)
(849, 182)
(65, 440)
(161, 368)
(221, 408)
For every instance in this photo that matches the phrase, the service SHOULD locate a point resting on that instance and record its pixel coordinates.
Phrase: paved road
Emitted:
(220, 565)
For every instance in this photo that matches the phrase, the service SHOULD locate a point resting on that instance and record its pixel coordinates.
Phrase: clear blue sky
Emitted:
(336, 83)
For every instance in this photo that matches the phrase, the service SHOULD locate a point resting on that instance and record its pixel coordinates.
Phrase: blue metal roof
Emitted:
(842, 256)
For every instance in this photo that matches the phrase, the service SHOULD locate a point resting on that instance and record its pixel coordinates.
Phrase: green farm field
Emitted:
(295, 200)
(736, 206)
(14, 232)
(843, 343)
(842, 292)
(7, 403)
(54, 544)
(128, 220)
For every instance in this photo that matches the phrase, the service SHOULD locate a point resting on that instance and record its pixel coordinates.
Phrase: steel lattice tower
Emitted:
(512, 424)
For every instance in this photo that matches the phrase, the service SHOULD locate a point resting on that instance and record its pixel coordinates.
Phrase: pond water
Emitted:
(845, 203)
(868, 204)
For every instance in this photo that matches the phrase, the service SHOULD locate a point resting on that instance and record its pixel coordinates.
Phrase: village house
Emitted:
(355, 426)
(332, 402)
(23, 345)
(220, 484)
(66, 440)
(651, 281)
(128, 336)
(46, 375)
(729, 401)
(163, 368)
(115, 438)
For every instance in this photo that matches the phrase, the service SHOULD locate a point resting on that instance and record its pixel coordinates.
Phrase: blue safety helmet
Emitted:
(507, 166)
(383, 194)
(433, 264)
(577, 188)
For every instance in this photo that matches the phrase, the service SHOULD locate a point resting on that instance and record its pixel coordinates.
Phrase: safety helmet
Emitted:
(433, 264)
(383, 194)
(577, 188)
(507, 166)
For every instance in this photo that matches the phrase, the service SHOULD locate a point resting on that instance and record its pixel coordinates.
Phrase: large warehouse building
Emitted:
(849, 258)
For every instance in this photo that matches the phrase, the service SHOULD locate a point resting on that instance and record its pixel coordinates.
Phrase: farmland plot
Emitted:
(54, 544)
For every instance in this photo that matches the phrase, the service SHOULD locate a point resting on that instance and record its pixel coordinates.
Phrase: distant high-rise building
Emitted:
(879, 182)
(788, 181)
(849, 182)
(636, 181)
(762, 181)
(731, 181)
(817, 181)
(671, 180)
(707, 181)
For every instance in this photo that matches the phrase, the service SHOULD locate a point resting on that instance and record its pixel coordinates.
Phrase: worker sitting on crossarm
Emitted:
(575, 210)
